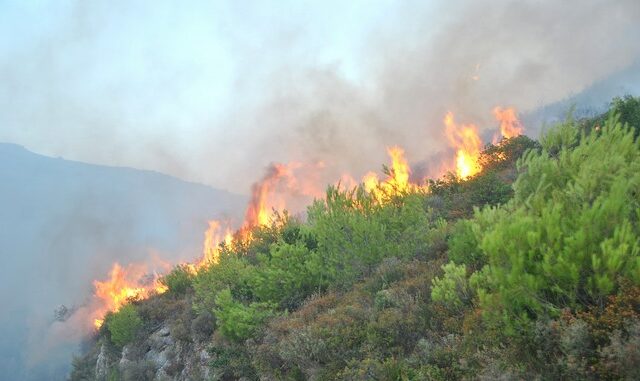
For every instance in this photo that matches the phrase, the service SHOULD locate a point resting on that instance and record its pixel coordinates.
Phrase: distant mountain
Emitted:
(63, 223)
(589, 102)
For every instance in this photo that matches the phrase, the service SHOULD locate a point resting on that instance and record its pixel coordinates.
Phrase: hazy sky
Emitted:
(212, 91)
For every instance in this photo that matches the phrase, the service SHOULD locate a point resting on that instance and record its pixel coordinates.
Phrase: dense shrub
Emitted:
(237, 321)
(540, 280)
(452, 288)
(124, 325)
(571, 228)
(178, 281)
(231, 272)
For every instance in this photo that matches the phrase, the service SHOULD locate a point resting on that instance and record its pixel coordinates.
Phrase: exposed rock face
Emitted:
(102, 364)
(159, 356)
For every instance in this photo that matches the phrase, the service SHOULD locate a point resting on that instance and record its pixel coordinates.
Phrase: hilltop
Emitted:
(529, 269)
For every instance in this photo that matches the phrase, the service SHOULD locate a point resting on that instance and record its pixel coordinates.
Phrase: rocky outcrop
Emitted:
(158, 356)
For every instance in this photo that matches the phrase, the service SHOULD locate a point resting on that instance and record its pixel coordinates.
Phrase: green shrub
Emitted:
(124, 325)
(231, 272)
(237, 321)
(571, 229)
(179, 280)
(287, 275)
(452, 288)
(463, 245)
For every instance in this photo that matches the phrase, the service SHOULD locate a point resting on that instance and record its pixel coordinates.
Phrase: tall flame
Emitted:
(397, 181)
(510, 126)
(466, 140)
(213, 237)
(258, 211)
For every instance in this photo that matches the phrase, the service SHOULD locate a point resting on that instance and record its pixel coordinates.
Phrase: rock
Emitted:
(102, 364)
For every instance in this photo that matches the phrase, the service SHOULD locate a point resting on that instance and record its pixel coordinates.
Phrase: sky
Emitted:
(213, 91)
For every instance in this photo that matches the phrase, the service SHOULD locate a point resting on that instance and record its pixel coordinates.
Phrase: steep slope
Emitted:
(63, 223)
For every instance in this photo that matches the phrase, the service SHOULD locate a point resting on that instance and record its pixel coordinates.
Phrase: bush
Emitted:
(237, 321)
(571, 229)
(202, 326)
(452, 288)
(231, 272)
(463, 245)
(179, 280)
(287, 275)
(124, 325)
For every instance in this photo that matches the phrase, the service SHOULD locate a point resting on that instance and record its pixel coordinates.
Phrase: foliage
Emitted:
(179, 280)
(452, 288)
(528, 270)
(237, 321)
(627, 108)
(231, 272)
(124, 325)
(571, 228)
(354, 233)
(463, 245)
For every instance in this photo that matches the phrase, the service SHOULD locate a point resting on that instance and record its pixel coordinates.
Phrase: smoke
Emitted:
(214, 93)
(419, 63)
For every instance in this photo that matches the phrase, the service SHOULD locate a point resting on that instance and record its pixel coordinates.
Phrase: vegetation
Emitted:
(123, 325)
(530, 269)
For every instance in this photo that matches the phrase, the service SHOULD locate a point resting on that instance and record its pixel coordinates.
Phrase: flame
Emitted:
(259, 211)
(370, 181)
(279, 187)
(510, 126)
(213, 237)
(124, 285)
(282, 183)
(466, 140)
(399, 177)
(397, 181)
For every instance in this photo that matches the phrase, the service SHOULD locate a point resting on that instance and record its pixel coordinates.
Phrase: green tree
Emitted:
(124, 325)
(571, 229)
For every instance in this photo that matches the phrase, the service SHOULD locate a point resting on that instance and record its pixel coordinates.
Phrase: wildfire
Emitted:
(466, 140)
(124, 285)
(213, 237)
(510, 126)
(397, 180)
(280, 187)
(259, 211)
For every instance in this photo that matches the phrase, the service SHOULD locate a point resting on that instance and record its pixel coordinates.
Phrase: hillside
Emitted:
(529, 269)
(62, 225)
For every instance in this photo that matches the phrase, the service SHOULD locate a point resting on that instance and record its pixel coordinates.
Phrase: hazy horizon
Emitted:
(214, 92)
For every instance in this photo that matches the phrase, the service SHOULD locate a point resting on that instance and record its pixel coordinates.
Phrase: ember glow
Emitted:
(279, 187)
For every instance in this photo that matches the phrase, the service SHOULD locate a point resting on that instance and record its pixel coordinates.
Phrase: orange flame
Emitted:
(510, 126)
(397, 181)
(466, 140)
(268, 194)
(213, 237)
(124, 285)
(259, 211)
